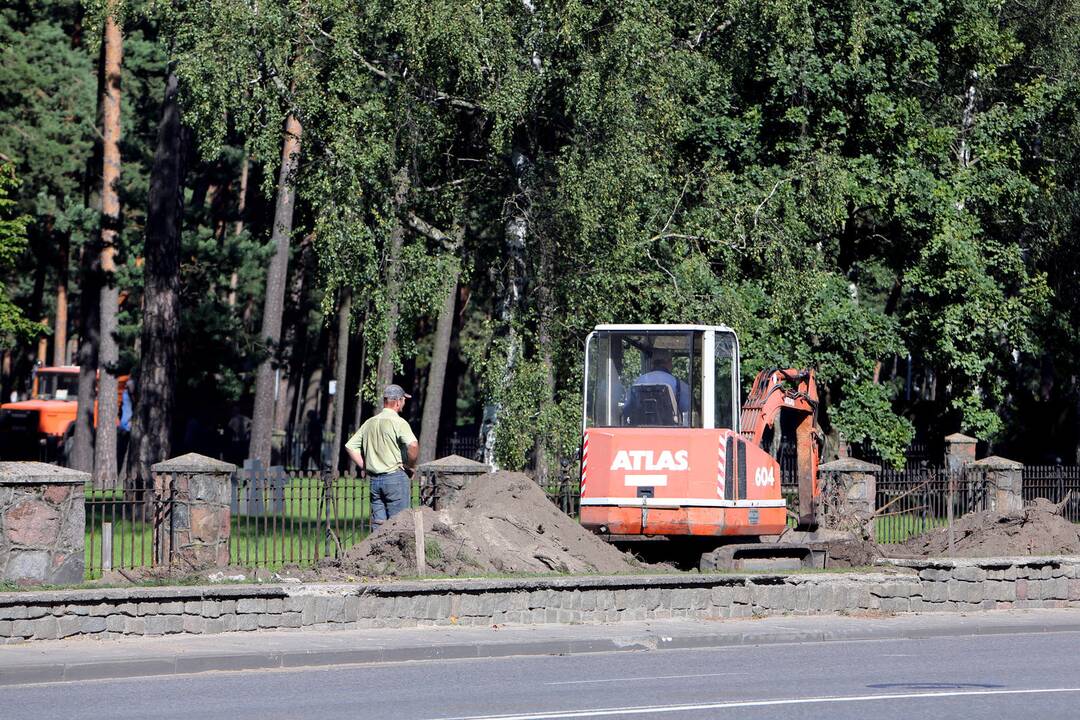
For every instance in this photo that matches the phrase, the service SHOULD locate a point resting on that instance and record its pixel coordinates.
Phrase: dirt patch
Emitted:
(1038, 529)
(501, 523)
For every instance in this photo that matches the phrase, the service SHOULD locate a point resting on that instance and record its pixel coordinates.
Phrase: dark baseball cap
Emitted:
(395, 392)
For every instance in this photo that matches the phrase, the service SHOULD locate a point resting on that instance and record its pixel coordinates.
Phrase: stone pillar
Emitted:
(848, 495)
(443, 479)
(1005, 483)
(195, 534)
(42, 523)
(959, 451)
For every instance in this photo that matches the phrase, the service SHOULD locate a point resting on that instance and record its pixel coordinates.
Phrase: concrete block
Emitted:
(212, 626)
(895, 589)
(895, 604)
(295, 603)
(350, 608)
(193, 607)
(680, 599)
(171, 608)
(245, 606)
(194, 623)
(134, 626)
(247, 621)
(46, 628)
(115, 623)
(102, 610)
(69, 625)
(966, 592)
(967, 573)
(275, 606)
(164, 624)
(1000, 591)
(1055, 589)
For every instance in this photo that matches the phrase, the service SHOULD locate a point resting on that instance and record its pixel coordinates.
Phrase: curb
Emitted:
(171, 663)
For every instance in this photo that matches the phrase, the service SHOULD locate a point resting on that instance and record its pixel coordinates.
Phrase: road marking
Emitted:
(647, 677)
(646, 709)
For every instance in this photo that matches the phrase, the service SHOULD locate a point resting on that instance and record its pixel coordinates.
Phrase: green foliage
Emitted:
(868, 188)
(13, 325)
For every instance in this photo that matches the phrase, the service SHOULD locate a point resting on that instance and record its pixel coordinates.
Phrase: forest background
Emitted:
(239, 202)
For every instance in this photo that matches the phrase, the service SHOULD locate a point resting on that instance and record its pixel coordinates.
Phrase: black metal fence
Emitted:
(121, 525)
(280, 519)
(912, 501)
(1060, 484)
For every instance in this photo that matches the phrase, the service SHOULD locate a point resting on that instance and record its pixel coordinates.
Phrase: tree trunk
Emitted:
(543, 302)
(967, 123)
(385, 373)
(511, 290)
(108, 352)
(60, 328)
(156, 390)
(43, 342)
(81, 455)
(358, 414)
(341, 375)
(263, 420)
(241, 204)
(440, 353)
(295, 326)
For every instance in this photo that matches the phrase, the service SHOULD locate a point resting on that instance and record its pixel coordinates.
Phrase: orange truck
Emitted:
(669, 452)
(41, 428)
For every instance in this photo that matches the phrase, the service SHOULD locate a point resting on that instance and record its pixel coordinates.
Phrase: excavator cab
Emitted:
(663, 450)
(666, 376)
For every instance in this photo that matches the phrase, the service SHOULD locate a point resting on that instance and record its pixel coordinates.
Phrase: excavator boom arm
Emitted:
(793, 391)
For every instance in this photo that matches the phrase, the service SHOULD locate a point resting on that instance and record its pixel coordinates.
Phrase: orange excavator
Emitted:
(670, 453)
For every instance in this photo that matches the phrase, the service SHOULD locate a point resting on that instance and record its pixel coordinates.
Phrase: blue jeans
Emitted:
(390, 494)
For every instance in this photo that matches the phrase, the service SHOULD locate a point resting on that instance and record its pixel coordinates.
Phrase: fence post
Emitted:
(448, 476)
(42, 523)
(959, 451)
(848, 495)
(1005, 481)
(201, 520)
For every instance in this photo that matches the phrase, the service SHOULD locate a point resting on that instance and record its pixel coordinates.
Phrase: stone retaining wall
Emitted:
(901, 586)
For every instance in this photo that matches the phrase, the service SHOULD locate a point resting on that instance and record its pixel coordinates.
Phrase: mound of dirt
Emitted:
(501, 523)
(1036, 530)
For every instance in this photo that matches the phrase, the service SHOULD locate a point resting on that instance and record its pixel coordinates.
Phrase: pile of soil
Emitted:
(1038, 529)
(500, 523)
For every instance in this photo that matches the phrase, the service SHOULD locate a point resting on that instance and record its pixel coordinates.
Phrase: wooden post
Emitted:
(949, 512)
(418, 537)
(106, 546)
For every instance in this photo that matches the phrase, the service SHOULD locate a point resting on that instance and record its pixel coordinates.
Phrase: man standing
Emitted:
(384, 447)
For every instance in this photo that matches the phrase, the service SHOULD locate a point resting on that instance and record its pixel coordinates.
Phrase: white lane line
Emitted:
(647, 677)
(646, 709)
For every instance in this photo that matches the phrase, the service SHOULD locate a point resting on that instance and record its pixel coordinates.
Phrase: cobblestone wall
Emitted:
(902, 586)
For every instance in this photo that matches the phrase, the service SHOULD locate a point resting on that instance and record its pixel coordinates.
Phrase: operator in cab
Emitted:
(661, 374)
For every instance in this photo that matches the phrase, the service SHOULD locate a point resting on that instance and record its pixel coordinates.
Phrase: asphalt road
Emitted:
(996, 676)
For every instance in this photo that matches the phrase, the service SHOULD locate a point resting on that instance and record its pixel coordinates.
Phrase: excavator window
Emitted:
(726, 354)
(644, 378)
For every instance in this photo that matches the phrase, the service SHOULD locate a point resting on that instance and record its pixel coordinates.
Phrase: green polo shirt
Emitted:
(382, 441)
